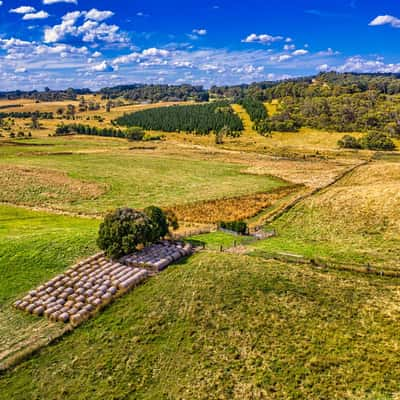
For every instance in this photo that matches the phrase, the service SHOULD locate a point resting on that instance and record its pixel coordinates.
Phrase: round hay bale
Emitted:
(51, 299)
(63, 317)
(79, 305)
(23, 305)
(48, 312)
(17, 303)
(69, 290)
(96, 302)
(75, 319)
(80, 298)
(106, 298)
(88, 308)
(80, 291)
(73, 310)
(61, 301)
(69, 304)
(38, 310)
(54, 315)
(112, 290)
(89, 292)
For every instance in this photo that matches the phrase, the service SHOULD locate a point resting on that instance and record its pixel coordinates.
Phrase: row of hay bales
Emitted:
(159, 255)
(91, 284)
(83, 289)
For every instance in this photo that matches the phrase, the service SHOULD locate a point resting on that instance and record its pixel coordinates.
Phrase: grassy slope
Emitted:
(355, 221)
(225, 326)
(34, 247)
(138, 179)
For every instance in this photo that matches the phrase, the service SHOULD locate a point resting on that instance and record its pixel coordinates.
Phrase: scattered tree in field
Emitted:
(349, 142)
(35, 124)
(159, 220)
(371, 141)
(108, 106)
(123, 230)
(219, 136)
(71, 111)
(377, 141)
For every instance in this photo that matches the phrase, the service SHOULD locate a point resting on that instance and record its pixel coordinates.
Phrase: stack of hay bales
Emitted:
(81, 290)
(159, 255)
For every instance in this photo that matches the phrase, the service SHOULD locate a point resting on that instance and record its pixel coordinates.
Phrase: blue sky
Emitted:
(87, 43)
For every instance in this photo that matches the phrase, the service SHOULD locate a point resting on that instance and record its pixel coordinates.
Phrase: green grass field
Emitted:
(33, 248)
(226, 326)
(134, 179)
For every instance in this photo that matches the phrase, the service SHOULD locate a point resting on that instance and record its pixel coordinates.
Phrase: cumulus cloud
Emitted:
(20, 70)
(263, 38)
(360, 64)
(91, 30)
(37, 15)
(289, 47)
(200, 32)
(102, 67)
(155, 52)
(300, 52)
(96, 15)
(385, 20)
(23, 10)
(1, 3)
(59, 1)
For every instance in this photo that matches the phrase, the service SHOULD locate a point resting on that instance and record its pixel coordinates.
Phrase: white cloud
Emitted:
(156, 52)
(96, 15)
(200, 32)
(300, 52)
(102, 67)
(362, 65)
(23, 10)
(20, 70)
(385, 20)
(96, 54)
(37, 15)
(328, 52)
(59, 1)
(323, 68)
(289, 47)
(263, 38)
(90, 31)
(1, 3)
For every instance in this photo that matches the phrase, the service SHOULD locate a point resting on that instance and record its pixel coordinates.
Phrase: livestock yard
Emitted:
(308, 311)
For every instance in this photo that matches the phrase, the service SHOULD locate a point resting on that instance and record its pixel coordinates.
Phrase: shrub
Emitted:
(123, 230)
(349, 142)
(135, 133)
(235, 226)
(377, 141)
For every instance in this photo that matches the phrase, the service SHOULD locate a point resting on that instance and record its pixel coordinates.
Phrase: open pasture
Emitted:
(298, 331)
(354, 221)
(96, 175)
